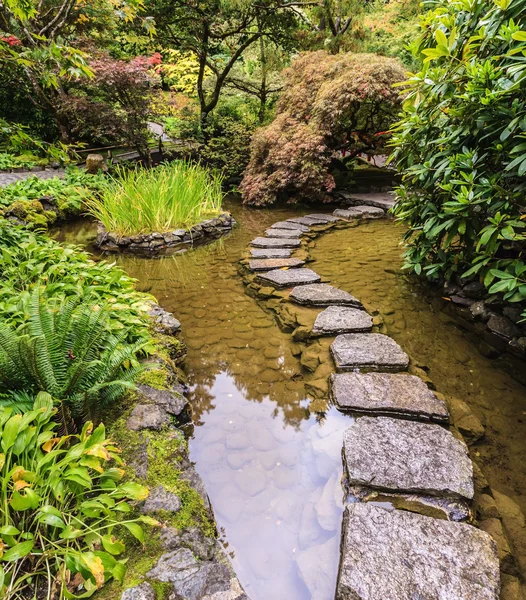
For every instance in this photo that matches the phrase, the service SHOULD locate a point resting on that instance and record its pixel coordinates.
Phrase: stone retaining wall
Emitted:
(403, 452)
(171, 242)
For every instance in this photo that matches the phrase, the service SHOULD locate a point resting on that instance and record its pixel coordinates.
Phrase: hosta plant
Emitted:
(64, 507)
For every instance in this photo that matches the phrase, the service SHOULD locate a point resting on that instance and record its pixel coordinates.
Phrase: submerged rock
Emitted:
(274, 263)
(290, 278)
(263, 242)
(386, 393)
(342, 319)
(373, 351)
(323, 294)
(405, 456)
(398, 555)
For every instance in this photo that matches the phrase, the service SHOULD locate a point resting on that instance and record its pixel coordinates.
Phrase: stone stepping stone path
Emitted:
(342, 319)
(261, 242)
(264, 264)
(323, 294)
(407, 457)
(398, 555)
(283, 233)
(282, 279)
(387, 394)
(373, 351)
(399, 452)
(270, 252)
(290, 225)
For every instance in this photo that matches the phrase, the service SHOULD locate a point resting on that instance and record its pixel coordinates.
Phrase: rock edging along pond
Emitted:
(155, 243)
(184, 558)
(402, 452)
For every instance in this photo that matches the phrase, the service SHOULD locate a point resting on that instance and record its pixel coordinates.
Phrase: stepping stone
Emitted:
(306, 221)
(370, 211)
(270, 252)
(384, 393)
(287, 225)
(348, 213)
(283, 233)
(383, 200)
(264, 264)
(399, 555)
(290, 278)
(401, 456)
(322, 294)
(373, 351)
(342, 319)
(323, 218)
(262, 242)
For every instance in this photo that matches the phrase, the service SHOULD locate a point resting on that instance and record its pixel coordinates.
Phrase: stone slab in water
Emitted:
(283, 233)
(386, 393)
(323, 218)
(306, 221)
(264, 264)
(373, 351)
(383, 200)
(370, 211)
(398, 555)
(342, 319)
(291, 226)
(396, 455)
(290, 277)
(349, 213)
(270, 252)
(263, 242)
(323, 294)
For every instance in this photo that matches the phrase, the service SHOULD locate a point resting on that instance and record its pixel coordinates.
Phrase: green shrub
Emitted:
(66, 348)
(178, 194)
(63, 506)
(30, 260)
(462, 146)
(70, 193)
(10, 161)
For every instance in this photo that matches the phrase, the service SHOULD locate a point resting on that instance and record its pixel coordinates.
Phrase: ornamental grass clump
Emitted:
(171, 196)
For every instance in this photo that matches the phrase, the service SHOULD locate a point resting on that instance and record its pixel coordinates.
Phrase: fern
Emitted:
(67, 350)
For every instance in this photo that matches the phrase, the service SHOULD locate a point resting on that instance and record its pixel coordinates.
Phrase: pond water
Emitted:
(272, 469)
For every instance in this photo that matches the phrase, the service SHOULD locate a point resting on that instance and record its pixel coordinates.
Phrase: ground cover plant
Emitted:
(64, 506)
(171, 196)
(333, 107)
(462, 146)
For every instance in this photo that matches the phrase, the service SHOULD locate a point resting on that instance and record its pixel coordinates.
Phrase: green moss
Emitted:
(156, 378)
(30, 211)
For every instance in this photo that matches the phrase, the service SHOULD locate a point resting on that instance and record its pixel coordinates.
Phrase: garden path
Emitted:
(7, 178)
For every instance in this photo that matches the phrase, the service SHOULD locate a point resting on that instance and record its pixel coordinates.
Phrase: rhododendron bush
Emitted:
(333, 108)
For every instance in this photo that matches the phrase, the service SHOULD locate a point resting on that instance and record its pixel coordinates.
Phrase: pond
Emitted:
(272, 469)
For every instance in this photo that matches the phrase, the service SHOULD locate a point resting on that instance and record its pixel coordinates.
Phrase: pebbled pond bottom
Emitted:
(272, 469)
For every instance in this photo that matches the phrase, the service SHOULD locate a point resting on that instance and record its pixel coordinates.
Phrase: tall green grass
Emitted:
(174, 195)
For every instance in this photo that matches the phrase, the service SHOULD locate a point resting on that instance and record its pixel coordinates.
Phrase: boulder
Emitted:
(398, 555)
(172, 402)
(147, 416)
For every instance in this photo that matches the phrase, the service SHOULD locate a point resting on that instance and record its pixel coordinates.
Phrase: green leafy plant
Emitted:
(64, 507)
(10, 161)
(462, 145)
(178, 194)
(67, 349)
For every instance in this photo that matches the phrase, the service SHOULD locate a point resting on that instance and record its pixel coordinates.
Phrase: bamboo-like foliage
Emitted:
(171, 196)
(66, 348)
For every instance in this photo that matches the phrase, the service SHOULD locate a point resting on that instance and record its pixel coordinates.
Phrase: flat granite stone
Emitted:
(287, 225)
(283, 233)
(348, 213)
(290, 278)
(342, 319)
(370, 211)
(323, 218)
(387, 394)
(323, 294)
(402, 456)
(262, 264)
(270, 252)
(306, 221)
(398, 555)
(373, 351)
(262, 242)
(383, 200)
